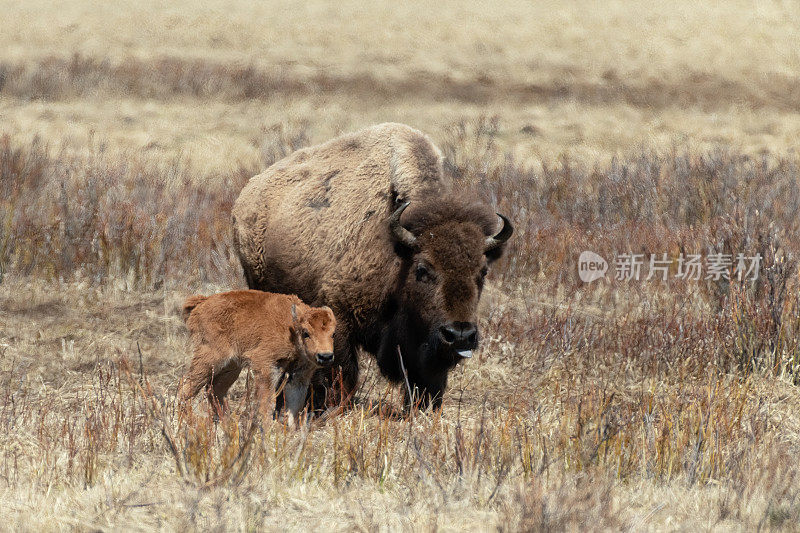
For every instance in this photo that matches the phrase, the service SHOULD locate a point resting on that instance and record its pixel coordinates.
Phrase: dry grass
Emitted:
(584, 38)
(552, 428)
(585, 403)
(615, 128)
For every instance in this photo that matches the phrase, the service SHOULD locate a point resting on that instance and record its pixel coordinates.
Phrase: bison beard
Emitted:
(425, 358)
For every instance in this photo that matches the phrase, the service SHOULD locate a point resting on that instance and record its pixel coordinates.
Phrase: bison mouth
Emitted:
(460, 337)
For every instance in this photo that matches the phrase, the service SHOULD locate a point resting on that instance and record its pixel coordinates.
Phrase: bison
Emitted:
(274, 334)
(369, 225)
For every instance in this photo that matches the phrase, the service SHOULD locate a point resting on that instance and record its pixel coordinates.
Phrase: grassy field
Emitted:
(126, 132)
(589, 80)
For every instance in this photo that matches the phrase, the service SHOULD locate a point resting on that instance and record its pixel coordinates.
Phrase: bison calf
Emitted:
(275, 334)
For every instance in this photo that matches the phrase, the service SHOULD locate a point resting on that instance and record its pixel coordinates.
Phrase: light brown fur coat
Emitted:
(239, 328)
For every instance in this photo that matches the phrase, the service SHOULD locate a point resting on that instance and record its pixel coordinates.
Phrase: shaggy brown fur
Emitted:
(316, 224)
(274, 334)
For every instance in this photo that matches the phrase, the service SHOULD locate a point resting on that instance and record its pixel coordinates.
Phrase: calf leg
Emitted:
(197, 378)
(265, 392)
(220, 383)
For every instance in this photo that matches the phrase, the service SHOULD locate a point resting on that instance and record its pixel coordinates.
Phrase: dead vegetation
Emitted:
(585, 404)
(639, 128)
(551, 428)
(566, 78)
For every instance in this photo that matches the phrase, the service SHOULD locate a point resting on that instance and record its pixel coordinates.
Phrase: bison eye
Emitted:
(424, 274)
(484, 271)
(306, 334)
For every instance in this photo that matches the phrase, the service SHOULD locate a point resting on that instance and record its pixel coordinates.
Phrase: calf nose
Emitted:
(459, 333)
(324, 357)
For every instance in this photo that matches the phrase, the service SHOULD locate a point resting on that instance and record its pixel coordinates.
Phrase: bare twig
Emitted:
(141, 365)
(405, 376)
(150, 402)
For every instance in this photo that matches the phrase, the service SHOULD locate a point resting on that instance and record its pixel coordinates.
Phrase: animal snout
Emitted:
(459, 334)
(325, 357)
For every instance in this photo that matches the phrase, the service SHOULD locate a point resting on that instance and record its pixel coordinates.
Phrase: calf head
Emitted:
(447, 248)
(312, 333)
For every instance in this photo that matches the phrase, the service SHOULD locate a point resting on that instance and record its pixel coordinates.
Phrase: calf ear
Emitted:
(295, 329)
(328, 313)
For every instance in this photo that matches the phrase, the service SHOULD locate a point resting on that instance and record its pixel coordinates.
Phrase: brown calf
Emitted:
(274, 334)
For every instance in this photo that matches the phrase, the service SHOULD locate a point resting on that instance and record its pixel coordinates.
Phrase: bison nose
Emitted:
(324, 357)
(459, 333)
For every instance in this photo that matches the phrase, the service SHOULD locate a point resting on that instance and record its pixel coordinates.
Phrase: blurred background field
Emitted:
(585, 79)
(127, 130)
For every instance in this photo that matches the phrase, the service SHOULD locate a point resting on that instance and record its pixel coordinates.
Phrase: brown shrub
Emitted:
(108, 217)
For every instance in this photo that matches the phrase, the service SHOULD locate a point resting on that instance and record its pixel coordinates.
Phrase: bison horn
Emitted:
(400, 233)
(502, 236)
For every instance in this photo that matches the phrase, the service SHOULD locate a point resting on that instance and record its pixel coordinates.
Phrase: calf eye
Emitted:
(306, 335)
(424, 274)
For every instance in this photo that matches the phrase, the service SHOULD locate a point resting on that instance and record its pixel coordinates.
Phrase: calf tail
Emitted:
(189, 305)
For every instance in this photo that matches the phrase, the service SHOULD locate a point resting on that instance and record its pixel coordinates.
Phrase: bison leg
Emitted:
(427, 392)
(295, 393)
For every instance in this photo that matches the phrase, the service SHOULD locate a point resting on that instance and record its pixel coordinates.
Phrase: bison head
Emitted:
(446, 248)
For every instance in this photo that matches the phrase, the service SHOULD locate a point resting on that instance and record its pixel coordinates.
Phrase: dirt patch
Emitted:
(21, 308)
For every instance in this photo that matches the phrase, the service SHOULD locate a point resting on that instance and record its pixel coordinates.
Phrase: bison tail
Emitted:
(189, 305)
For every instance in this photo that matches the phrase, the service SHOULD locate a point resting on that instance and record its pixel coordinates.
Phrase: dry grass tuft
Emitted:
(101, 218)
(575, 432)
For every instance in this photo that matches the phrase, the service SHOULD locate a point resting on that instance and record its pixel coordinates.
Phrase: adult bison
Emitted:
(329, 223)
